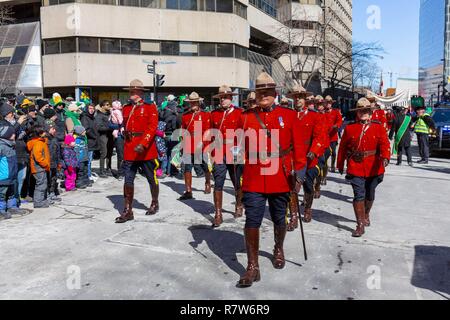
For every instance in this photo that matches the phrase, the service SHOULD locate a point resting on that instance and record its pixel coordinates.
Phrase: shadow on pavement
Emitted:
(178, 187)
(336, 196)
(331, 219)
(432, 269)
(224, 244)
(118, 202)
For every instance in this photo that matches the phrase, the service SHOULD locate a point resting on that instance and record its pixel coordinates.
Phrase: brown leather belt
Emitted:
(358, 156)
(133, 134)
(272, 155)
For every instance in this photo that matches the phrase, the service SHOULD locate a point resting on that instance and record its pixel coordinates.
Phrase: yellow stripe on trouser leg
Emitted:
(154, 172)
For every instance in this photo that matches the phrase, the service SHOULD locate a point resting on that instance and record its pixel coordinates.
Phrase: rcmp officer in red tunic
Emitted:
(326, 124)
(196, 123)
(140, 124)
(298, 94)
(226, 119)
(311, 141)
(267, 171)
(378, 114)
(336, 121)
(366, 149)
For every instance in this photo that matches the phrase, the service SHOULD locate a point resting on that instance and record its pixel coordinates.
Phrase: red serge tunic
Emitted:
(374, 143)
(336, 122)
(268, 175)
(380, 116)
(309, 136)
(224, 120)
(190, 122)
(141, 122)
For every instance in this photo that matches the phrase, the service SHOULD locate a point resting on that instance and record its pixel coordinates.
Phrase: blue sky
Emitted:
(398, 34)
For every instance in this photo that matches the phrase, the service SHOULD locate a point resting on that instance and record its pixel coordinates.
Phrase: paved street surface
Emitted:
(405, 254)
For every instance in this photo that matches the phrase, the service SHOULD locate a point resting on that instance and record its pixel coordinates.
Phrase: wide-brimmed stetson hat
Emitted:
(298, 91)
(136, 84)
(319, 99)
(251, 97)
(224, 90)
(371, 97)
(194, 97)
(363, 104)
(329, 99)
(265, 81)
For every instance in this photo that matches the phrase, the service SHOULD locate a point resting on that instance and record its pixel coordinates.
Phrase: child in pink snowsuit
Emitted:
(117, 117)
(70, 163)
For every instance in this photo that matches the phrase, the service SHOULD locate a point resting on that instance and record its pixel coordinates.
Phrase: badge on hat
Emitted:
(280, 120)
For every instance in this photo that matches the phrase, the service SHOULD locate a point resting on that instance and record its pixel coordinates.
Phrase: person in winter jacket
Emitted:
(72, 114)
(89, 123)
(162, 149)
(70, 162)
(105, 139)
(8, 162)
(116, 123)
(40, 165)
(42, 106)
(60, 122)
(172, 118)
(55, 160)
(81, 149)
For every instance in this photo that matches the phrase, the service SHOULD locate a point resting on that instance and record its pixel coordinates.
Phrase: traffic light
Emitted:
(417, 101)
(159, 80)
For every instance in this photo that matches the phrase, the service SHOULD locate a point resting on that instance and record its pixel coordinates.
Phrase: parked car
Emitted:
(440, 138)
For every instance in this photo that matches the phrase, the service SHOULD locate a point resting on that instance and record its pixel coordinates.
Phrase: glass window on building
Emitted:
(12, 36)
(188, 4)
(109, 45)
(88, 45)
(5, 55)
(68, 45)
(225, 6)
(150, 47)
(130, 46)
(207, 5)
(150, 3)
(225, 50)
(240, 52)
(129, 3)
(188, 49)
(19, 55)
(240, 9)
(171, 4)
(51, 46)
(170, 48)
(207, 49)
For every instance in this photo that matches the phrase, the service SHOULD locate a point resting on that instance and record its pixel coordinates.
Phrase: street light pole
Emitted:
(155, 92)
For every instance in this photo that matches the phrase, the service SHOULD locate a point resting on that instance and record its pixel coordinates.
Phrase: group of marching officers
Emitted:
(298, 141)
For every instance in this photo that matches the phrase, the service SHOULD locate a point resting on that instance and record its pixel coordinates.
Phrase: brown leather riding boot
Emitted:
(293, 208)
(360, 213)
(239, 208)
(154, 207)
(278, 252)
(218, 219)
(333, 164)
(308, 199)
(317, 187)
(127, 214)
(252, 244)
(187, 195)
(207, 182)
(368, 207)
(324, 176)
